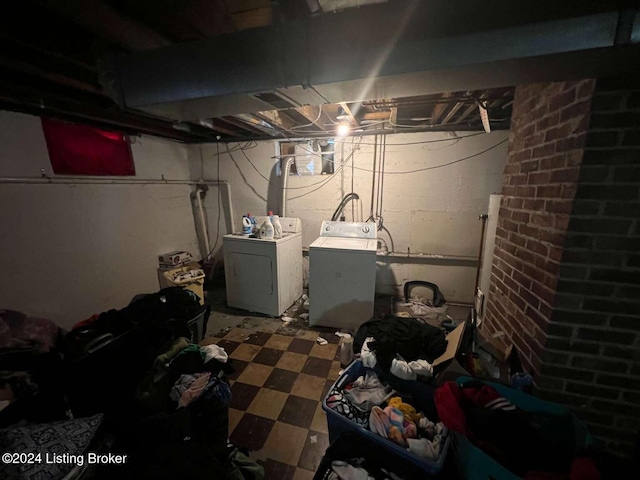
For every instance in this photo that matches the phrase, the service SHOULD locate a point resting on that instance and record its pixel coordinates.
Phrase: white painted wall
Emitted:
(68, 252)
(432, 212)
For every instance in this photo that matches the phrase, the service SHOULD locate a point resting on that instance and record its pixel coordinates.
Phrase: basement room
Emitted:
(319, 240)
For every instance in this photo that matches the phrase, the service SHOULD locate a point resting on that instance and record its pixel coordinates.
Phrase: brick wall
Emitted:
(592, 358)
(548, 132)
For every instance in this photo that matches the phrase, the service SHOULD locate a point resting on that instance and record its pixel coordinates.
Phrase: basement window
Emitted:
(308, 157)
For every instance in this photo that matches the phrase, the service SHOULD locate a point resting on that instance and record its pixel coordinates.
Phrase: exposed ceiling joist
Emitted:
(102, 18)
(349, 113)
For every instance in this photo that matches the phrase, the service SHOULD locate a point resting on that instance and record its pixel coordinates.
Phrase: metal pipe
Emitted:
(285, 180)
(203, 224)
(482, 218)
(44, 180)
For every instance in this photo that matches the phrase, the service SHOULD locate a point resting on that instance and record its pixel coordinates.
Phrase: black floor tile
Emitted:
(277, 470)
(228, 346)
(252, 432)
(281, 380)
(239, 366)
(317, 366)
(268, 356)
(243, 395)
(258, 338)
(298, 345)
(298, 411)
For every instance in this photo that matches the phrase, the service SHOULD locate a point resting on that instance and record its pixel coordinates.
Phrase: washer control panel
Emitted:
(348, 229)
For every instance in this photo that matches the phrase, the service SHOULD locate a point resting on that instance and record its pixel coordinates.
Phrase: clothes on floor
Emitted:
(368, 391)
(345, 471)
(425, 448)
(410, 370)
(367, 357)
(522, 441)
(407, 337)
(215, 352)
(189, 387)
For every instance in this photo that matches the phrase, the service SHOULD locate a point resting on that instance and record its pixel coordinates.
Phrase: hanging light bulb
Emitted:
(343, 129)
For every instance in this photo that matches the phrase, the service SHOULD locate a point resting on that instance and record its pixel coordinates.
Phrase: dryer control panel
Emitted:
(349, 229)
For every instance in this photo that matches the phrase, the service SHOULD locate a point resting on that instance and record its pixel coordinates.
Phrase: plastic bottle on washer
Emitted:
(277, 227)
(266, 230)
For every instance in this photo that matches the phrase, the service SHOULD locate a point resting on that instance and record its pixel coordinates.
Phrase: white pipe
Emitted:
(285, 180)
(203, 225)
(121, 181)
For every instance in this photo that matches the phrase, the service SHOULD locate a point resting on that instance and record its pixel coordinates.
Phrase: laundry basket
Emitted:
(339, 425)
(350, 445)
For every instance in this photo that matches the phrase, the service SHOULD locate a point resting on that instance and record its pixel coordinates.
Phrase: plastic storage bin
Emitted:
(351, 445)
(189, 276)
(474, 464)
(340, 425)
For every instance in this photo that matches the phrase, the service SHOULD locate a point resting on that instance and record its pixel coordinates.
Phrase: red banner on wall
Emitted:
(83, 150)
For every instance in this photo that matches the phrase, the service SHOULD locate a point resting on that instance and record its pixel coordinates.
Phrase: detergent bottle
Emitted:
(247, 226)
(266, 230)
(277, 227)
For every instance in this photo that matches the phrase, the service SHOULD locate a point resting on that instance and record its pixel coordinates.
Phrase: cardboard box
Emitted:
(174, 259)
(446, 365)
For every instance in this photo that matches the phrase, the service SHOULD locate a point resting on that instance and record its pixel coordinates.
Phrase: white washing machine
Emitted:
(342, 274)
(264, 276)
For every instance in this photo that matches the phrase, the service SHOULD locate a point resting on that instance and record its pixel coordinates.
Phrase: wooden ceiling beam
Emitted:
(101, 18)
(349, 113)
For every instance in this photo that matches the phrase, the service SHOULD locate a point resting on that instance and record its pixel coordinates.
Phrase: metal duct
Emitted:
(381, 51)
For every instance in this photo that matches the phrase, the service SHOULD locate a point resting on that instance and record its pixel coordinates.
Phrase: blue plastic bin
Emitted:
(339, 425)
(474, 464)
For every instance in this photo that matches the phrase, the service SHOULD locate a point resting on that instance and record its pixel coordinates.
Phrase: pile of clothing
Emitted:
(357, 469)
(377, 407)
(531, 444)
(403, 347)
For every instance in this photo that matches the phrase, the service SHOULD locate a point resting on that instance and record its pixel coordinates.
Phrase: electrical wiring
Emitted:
(312, 123)
(405, 172)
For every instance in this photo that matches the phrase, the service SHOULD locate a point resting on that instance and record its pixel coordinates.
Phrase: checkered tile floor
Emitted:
(281, 377)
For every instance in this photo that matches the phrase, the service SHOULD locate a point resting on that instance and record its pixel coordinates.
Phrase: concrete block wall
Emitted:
(592, 358)
(548, 131)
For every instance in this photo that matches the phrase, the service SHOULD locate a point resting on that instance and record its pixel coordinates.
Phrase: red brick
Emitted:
(523, 155)
(530, 298)
(535, 114)
(514, 202)
(508, 191)
(538, 178)
(522, 279)
(531, 166)
(517, 239)
(543, 220)
(548, 191)
(555, 253)
(508, 225)
(518, 180)
(510, 284)
(529, 231)
(558, 132)
(511, 168)
(575, 110)
(558, 206)
(523, 191)
(543, 150)
(571, 143)
(539, 320)
(562, 222)
(565, 175)
(545, 294)
(569, 191)
(586, 89)
(537, 247)
(533, 140)
(573, 158)
(517, 300)
(530, 204)
(552, 237)
(557, 161)
(562, 99)
(547, 122)
(521, 217)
